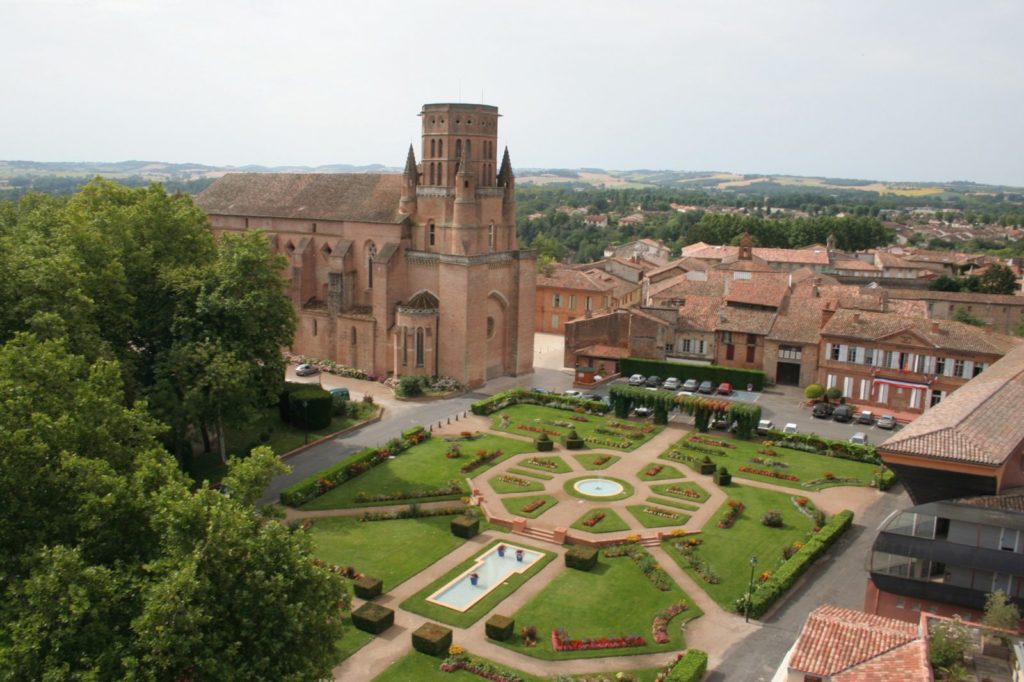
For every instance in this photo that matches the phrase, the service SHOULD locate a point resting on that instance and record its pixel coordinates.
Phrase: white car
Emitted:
(671, 384)
(859, 438)
(305, 370)
(764, 426)
(790, 427)
(572, 393)
(637, 380)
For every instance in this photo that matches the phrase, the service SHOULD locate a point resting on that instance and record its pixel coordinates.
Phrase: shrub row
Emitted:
(320, 482)
(690, 667)
(783, 578)
(716, 374)
(516, 396)
(810, 442)
(305, 406)
(581, 557)
(411, 512)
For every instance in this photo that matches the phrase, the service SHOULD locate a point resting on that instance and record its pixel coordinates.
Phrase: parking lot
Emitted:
(784, 405)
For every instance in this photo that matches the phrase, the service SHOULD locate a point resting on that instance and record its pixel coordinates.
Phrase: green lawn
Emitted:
(515, 505)
(671, 503)
(390, 550)
(672, 490)
(352, 640)
(612, 600)
(281, 437)
(509, 486)
(665, 472)
(418, 602)
(561, 422)
(590, 461)
(807, 467)
(728, 551)
(656, 520)
(611, 522)
(531, 473)
(549, 464)
(417, 667)
(422, 467)
(627, 489)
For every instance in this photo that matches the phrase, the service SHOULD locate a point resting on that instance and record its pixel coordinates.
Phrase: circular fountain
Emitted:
(598, 487)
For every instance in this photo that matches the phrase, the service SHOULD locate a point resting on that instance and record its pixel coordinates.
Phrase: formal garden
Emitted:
(756, 532)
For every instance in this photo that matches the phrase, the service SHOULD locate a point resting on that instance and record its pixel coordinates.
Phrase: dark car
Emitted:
(843, 413)
(706, 387)
(654, 381)
(341, 393)
(690, 385)
(822, 410)
(865, 417)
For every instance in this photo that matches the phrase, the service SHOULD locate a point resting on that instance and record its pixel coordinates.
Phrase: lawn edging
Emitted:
(779, 583)
(323, 439)
(321, 481)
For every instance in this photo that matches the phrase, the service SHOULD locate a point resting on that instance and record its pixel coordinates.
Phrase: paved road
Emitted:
(837, 578)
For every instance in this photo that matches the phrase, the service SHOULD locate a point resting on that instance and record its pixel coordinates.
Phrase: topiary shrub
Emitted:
(309, 407)
(722, 476)
(834, 393)
(707, 467)
(499, 627)
(814, 391)
(573, 441)
(368, 587)
(581, 557)
(432, 639)
(772, 518)
(409, 387)
(465, 526)
(690, 668)
(544, 443)
(373, 618)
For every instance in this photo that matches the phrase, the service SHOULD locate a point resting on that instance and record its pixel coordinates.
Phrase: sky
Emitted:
(912, 90)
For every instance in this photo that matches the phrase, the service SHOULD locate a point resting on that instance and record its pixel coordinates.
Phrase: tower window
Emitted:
(440, 147)
(314, 327)
(433, 145)
(353, 336)
(314, 228)
(490, 236)
(431, 174)
(465, 183)
(468, 148)
(419, 346)
(432, 232)
(371, 253)
(458, 149)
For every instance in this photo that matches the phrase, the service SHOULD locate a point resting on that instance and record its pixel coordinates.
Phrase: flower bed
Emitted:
(704, 440)
(593, 519)
(642, 428)
(770, 474)
(515, 480)
(517, 395)
(654, 470)
(481, 460)
(688, 550)
(608, 442)
(453, 488)
(460, 661)
(778, 463)
(683, 492)
(534, 506)
(661, 512)
(732, 514)
(542, 462)
(644, 561)
(579, 418)
(560, 641)
(702, 449)
(602, 460)
(538, 429)
(659, 628)
(411, 513)
(827, 480)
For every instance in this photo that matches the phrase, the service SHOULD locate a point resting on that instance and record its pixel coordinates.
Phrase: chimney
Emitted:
(826, 314)
(935, 327)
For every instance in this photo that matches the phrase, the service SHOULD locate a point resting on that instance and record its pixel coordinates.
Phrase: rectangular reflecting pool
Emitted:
(491, 570)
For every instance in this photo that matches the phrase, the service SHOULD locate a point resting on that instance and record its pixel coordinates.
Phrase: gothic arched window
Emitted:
(419, 346)
(431, 174)
(490, 237)
(432, 233)
(371, 253)
(440, 147)
(433, 144)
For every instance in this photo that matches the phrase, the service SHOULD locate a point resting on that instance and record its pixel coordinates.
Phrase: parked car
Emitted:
(643, 411)
(859, 438)
(671, 384)
(690, 385)
(653, 381)
(822, 410)
(843, 413)
(706, 387)
(790, 427)
(538, 389)
(637, 380)
(764, 426)
(341, 393)
(573, 393)
(865, 417)
(887, 422)
(720, 423)
(590, 396)
(305, 370)
(725, 388)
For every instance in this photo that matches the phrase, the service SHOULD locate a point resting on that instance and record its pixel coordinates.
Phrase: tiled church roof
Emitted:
(835, 640)
(357, 197)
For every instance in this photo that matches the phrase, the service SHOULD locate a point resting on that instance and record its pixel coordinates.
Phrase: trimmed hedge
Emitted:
(690, 668)
(367, 587)
(317, 412)
(320, 482)
(543, 443)
(465, 527)
(373, 618)
(581, 557)
(716, 374)
(722, 477)
(811, 442)
(783, 578)
(703, 407)
(516, 396)
(573, 441)
(499, 627)
(432, 639)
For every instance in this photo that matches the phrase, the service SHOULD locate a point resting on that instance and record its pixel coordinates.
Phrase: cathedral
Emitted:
(412, 274)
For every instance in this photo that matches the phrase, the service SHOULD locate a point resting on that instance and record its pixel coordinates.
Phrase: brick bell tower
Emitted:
(463, 208)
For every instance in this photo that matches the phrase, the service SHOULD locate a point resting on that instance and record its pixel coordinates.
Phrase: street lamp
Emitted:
(750, 590)
(305, 421)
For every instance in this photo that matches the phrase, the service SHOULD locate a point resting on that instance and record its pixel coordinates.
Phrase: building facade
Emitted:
(412, 274)
(565, 294)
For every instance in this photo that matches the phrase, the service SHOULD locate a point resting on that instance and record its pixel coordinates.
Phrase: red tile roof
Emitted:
(836, 640)
(979, 423)
(757, 293)
(567, 278)
(937, 334)
(907, 663)
(604, 351)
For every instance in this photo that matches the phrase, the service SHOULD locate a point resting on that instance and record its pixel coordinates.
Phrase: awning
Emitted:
(902, 384)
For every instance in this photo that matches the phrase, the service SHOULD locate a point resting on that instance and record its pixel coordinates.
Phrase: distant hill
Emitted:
(64, 177)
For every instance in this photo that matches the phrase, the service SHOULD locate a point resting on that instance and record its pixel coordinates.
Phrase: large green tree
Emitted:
(998, 279)
(112, 567)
